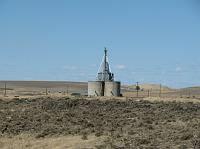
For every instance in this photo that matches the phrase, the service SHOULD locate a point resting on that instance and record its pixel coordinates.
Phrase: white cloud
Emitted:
(178, 69)
(69, 67)
(93, 65)
(82, 74)
(120, 66)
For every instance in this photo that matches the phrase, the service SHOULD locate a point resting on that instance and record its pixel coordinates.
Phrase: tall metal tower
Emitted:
(104, 73)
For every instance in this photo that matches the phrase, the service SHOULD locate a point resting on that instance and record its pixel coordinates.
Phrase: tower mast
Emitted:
(105, 62)
(104, 73)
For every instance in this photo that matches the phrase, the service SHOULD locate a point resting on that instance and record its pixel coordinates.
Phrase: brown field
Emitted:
(39, 88)
(59, 88)
(60, 121)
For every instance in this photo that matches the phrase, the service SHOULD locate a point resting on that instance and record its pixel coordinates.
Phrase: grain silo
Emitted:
(112, 88)
(95, 88)
(104, 84)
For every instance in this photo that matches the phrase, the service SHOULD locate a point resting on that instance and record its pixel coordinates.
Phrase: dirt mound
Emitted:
(128, 123)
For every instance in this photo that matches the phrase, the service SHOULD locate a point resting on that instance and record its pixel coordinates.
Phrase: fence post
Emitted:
(67, 89)
(46, 91)
(160, 92)
(5, 89)
(189, 94)
(148, 93)
(180, 94)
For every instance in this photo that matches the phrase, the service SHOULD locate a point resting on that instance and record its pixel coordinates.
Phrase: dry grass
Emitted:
(59, 121)
(127, 123)
(167, 99)
(56, 88)
(25, 141)
(38, 88)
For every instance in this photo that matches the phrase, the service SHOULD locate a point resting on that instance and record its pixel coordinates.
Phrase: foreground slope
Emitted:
(128, 123)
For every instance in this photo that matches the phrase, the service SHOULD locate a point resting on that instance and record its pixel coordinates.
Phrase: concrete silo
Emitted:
(95, 88)
(104, 84)
(112, 88)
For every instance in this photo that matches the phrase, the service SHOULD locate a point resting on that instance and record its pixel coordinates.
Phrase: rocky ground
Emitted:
(126, 124)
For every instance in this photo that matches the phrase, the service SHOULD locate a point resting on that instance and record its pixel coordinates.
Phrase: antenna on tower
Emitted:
(104, 73)
(105, 51)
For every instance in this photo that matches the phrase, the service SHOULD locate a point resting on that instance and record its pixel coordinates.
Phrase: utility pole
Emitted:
(5, 89)
(137, 88)
(160, 90)
(148, 93)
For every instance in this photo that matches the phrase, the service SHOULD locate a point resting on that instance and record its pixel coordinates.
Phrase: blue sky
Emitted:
(155, 41)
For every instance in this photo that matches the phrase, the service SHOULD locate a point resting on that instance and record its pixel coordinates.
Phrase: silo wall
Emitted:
(112, 88)
(95, 88)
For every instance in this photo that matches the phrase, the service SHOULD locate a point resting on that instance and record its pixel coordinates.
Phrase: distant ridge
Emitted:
(152, 87)
(192, 87)
(42, 84)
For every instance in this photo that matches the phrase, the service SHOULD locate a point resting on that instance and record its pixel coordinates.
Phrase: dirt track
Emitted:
(127, 123)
